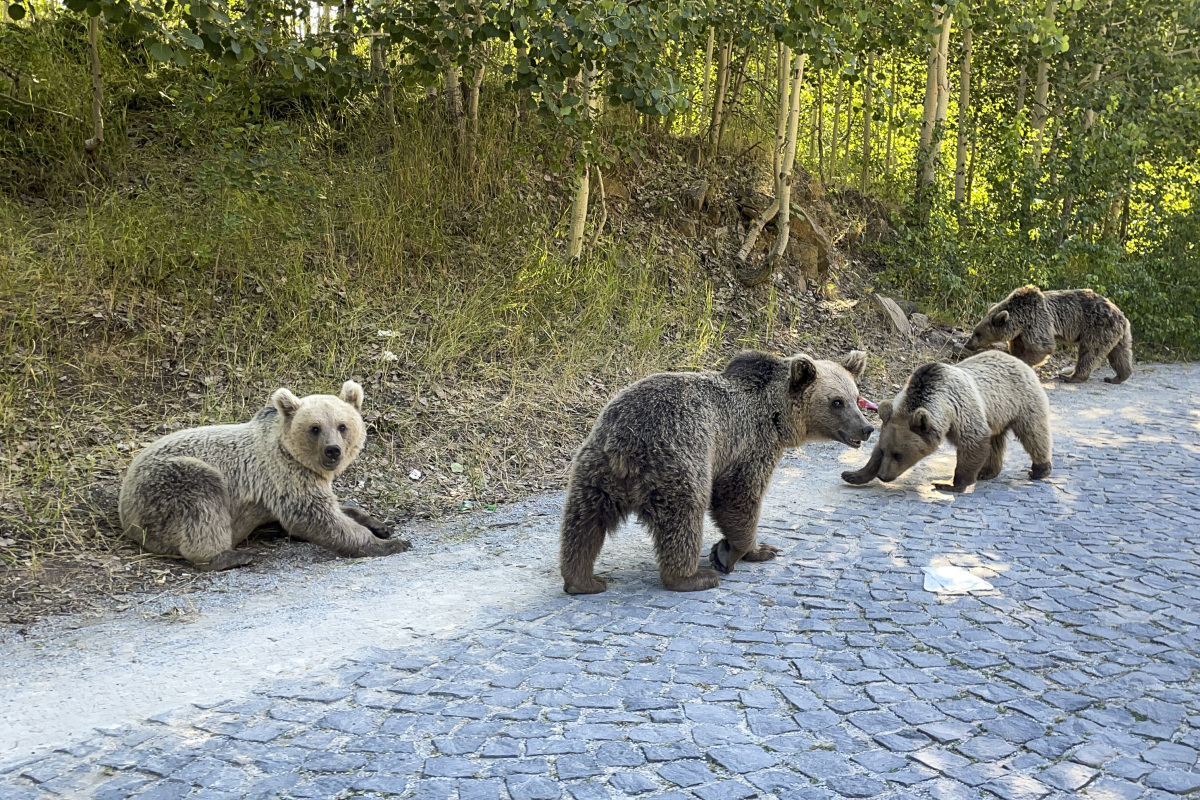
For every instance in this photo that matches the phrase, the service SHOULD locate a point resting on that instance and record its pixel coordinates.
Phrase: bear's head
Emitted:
(322, 432)
(905, 437)
(1004, 321)
(824, 400)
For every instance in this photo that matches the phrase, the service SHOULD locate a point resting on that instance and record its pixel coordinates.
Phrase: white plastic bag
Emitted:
(952, 580)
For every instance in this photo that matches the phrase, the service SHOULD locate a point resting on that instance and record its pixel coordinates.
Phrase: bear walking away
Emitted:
(673, 446)
(973, 404)
(199, 492)
(1031, 321)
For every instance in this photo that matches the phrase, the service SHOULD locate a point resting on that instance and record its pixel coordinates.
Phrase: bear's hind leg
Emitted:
(677, 525)
(589, 516)
(1034, 435)
(995, 461)
(192, 506)
(1120, 358)
(1085, 362)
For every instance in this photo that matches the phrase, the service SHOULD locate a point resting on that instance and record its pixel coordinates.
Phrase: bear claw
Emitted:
(719, 557)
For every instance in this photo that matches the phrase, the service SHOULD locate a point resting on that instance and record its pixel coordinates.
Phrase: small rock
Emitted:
(920, 323)
(892, 310)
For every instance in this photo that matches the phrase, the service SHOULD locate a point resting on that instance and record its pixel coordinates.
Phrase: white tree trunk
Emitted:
(708, 53)
(888, 159)
(964, 116)
(782, 109)
(579, 205)
(783, 221)
(714, 132)
(1040, 113)
(937, 93)
(93, 144)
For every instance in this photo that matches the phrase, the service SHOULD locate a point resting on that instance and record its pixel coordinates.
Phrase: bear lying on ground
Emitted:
(673, 446)
(973, 404)
(1031, 321)
(199, 492)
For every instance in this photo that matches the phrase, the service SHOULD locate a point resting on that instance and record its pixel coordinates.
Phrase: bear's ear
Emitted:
(285, 402)
(885, 411)
(1000, 318)
(855, 363)
(804, 372)
(352, 393)
(920, 422)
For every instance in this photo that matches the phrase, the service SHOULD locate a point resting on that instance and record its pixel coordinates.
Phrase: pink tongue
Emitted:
(867, 404)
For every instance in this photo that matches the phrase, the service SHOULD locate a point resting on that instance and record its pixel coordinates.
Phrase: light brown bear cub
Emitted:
(676, 445)
(974, 405)
(199, 492)
(1031, 321)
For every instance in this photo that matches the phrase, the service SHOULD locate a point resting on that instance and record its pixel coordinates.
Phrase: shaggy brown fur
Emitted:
(974, 404)
(672, 446)
(1031, 321)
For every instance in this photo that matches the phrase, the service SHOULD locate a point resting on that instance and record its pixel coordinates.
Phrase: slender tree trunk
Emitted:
(889, 158)
(964, 116)
(1022, 82)
(714, 140)
(783, 221)
(971, 164)
(821, 127)
(849, 125)
(579, 205)
(1040, 96)
(865, 179)
(782, 109)
(92, 144)
(833, 136)
(812, 134)
(603, 209)
(937, 93)
(708, 53)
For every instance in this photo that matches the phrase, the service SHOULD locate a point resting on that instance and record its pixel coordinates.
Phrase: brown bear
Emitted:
(973, 404)
(1031, 321)
(672, 446)
(199, 492)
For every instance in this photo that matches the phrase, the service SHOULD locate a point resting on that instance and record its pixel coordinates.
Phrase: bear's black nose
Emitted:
(866, 432)
(333, 452)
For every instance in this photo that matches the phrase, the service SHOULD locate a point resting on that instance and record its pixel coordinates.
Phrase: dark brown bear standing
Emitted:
(1031, 321)
(673, 446)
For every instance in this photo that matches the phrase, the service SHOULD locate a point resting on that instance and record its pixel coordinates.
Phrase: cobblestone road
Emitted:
(827, 673)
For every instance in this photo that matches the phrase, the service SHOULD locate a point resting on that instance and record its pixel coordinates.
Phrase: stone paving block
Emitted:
(1017, 787)
(986, 748)
(686, 773)
(1113, 789)
(1175, 781)
(856, 786)
(742, 758)
(532, 787)
(724, 790)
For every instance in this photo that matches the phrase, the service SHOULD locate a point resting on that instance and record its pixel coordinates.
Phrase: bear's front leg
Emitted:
(971, 459)
(320, 520)
(869, 470)
(375, 526)
(735, 507)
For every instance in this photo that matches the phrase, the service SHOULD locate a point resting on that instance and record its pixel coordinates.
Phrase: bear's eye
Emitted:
(837, 404)
(896, 456)
(342, 428)
(314, 430)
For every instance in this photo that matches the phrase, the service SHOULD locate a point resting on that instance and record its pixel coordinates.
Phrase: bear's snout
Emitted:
(333, 454)
(866, 432)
